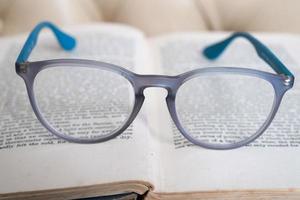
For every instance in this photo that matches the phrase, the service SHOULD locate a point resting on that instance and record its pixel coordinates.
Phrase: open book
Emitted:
(151, 158)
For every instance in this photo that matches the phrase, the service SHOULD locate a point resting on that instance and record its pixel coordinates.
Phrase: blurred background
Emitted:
(156, 16)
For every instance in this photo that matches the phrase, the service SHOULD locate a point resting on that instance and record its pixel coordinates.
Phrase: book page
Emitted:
(34, 159)
(270, 162)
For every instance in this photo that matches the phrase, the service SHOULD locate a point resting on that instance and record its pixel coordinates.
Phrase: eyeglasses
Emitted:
(86, 101)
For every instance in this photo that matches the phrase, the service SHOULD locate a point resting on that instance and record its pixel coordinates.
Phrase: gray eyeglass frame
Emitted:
(281, 82)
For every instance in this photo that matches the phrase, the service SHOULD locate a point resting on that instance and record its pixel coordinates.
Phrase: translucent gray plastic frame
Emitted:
(281, 82)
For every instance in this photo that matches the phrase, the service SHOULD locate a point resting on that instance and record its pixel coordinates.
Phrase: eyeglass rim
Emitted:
(279, 91)
(140, 82)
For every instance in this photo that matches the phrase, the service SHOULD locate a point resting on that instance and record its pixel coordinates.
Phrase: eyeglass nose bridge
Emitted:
(170, 83)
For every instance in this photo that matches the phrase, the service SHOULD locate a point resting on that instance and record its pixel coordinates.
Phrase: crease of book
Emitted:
(150, 158)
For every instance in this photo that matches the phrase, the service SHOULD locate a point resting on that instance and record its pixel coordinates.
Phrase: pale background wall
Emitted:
(156, 16)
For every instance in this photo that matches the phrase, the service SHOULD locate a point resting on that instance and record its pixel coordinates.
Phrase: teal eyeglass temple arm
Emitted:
(214, 51)
(66, 41)
(211, 52)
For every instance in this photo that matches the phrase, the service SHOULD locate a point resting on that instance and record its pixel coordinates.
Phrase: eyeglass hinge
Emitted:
(287, 80)
(23, 67)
